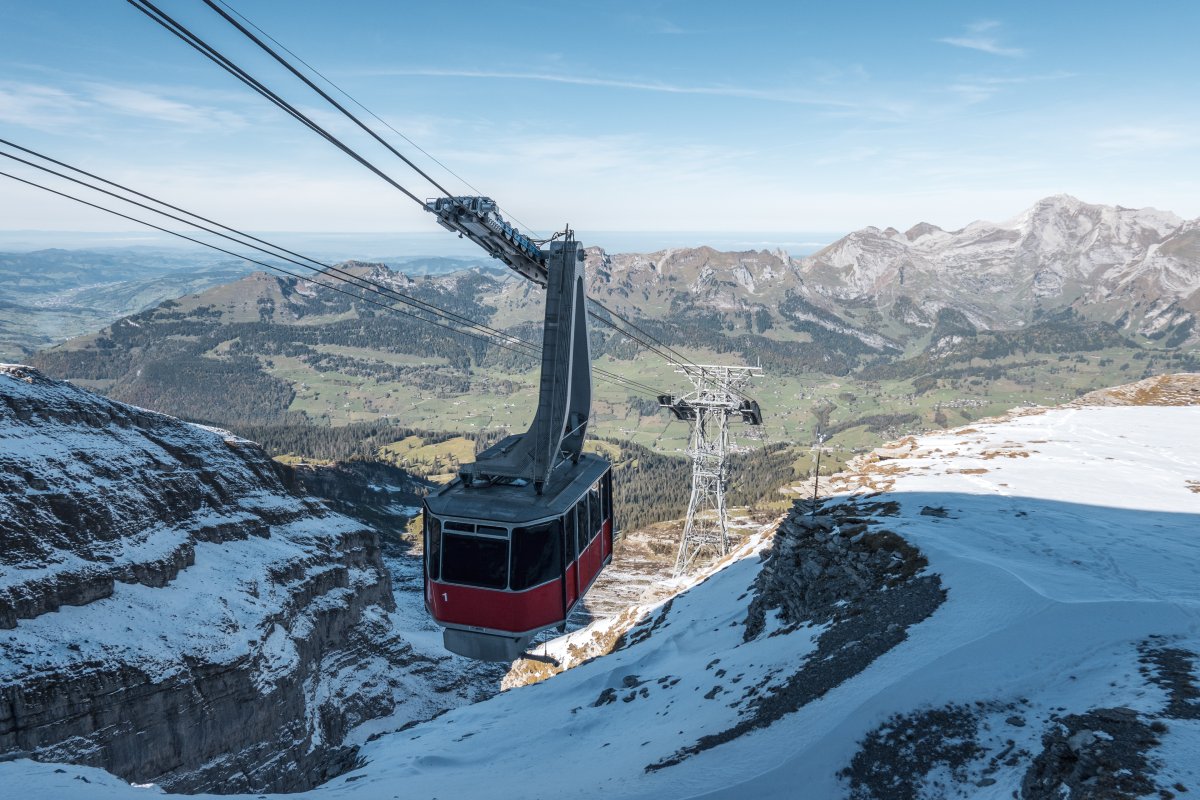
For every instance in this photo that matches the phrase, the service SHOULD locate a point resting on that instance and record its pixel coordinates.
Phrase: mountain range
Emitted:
(48, 296)
(1137, 269)
(1064, 298)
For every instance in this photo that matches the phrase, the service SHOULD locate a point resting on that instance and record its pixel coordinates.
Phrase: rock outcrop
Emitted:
(171, 611)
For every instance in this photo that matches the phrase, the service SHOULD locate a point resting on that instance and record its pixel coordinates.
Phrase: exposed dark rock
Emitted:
(867, 588)
(1173, 670)
(1100, 754)
(828, 566)
(894, 760)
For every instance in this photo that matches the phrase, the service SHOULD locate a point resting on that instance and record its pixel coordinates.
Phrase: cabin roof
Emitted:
(511, 504)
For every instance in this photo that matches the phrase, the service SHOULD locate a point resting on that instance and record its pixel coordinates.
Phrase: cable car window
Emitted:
(581, 524)
(536, 555)
(433, 544)
(606, 483)
(465, 527)
(491, 530)
(474, 560)
(569, 527)
(594, 503)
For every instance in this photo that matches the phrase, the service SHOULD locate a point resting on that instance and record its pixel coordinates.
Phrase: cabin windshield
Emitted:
(537, 555)
(474, 560)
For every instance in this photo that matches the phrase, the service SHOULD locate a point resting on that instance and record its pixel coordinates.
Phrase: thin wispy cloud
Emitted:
(977, 88)
(785, 96)
(43, 108)
(979, 36)
(1141, 138)
(55, 108)
(651, 23)
(149, 105)
(614, 83)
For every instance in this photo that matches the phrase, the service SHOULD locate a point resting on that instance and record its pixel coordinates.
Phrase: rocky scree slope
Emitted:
(172, 612)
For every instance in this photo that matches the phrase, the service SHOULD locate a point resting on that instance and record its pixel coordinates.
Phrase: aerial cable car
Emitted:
(515, 541)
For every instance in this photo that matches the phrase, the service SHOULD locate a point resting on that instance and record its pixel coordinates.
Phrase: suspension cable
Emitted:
(651, 343)
(266, 48)
(261, 263)
(355, 101)
(321, 268)
(645, 339)
(605, 375)
(179, 30)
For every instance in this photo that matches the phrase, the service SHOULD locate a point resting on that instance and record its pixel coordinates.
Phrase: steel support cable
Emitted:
(675, 353)
(629, 382)
(324, 267)
(333, 271)
(648, 345)
(605, 375)
(183, 33)
(678, 357)
(210, 53)
(269, 266)
(266, 48)
(213, 55)
(651, 347)
(353, 100)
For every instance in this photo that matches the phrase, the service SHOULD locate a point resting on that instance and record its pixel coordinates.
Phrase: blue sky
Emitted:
(692, 116)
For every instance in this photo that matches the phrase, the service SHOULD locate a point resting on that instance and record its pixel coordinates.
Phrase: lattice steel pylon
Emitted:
(716, 397)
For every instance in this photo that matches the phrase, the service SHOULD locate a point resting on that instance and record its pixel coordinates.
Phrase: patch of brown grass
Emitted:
(988, 455)
(1182, 389)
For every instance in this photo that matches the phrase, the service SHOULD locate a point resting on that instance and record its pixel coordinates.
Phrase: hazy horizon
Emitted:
(433, 244)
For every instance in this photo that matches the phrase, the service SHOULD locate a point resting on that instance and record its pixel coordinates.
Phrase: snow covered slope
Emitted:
(827, 664)
(171, 611)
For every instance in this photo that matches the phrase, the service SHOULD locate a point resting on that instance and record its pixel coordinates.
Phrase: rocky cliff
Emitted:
(172, 611)
(1136, 268)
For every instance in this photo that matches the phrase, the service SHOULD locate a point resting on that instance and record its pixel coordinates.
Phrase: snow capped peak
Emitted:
(1104, 261)
(921, 229)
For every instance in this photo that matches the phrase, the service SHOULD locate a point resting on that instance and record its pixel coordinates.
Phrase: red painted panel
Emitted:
(590, 561)
(505, 611)
(572, 585)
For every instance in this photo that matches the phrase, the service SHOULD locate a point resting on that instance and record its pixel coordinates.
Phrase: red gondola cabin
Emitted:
(503, 562)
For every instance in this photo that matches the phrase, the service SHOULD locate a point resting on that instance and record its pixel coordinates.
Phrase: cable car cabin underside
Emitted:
(502, 562)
